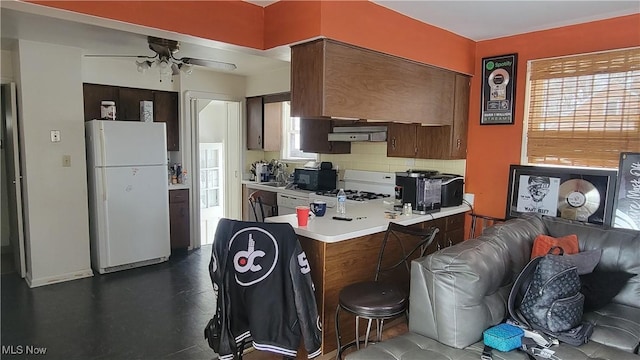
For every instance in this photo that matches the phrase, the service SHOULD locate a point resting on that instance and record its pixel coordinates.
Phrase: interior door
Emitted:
(12, 151)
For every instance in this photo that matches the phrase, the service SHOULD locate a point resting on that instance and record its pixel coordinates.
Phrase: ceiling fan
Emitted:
(166, 61)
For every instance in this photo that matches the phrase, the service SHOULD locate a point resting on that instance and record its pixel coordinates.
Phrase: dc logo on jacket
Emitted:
(255, 255)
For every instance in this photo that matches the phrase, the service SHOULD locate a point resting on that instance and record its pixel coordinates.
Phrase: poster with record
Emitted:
(571, 193)
(626, 208)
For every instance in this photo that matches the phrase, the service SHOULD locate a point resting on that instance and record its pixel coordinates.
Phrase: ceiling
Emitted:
(476, 20)
(482, 20)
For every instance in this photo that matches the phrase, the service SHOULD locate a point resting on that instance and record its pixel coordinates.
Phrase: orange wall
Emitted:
(492, 148)
(234, 22)
(358, 22)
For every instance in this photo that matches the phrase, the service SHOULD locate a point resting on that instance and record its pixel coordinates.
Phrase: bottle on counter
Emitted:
(341, 203)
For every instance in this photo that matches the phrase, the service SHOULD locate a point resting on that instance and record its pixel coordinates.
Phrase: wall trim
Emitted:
(57, 278)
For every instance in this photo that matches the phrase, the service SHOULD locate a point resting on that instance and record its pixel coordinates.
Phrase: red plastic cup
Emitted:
(303, 215)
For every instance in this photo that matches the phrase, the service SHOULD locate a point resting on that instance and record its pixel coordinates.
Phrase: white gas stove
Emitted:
(360, 187)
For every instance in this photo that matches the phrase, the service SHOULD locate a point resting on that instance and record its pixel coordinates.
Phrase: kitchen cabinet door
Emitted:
(401, 140)
(93, 95)
(334, 79)
(165, 109)
(272, 126)
(255, 125)
(129, 107)
(179, 218)
(432, 142)
(458, 149)
(314, 138)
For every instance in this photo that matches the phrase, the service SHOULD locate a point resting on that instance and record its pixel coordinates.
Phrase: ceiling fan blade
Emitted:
(209, 63)
(120, 56)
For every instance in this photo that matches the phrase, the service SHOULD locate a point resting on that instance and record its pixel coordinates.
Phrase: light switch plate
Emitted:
(55, 135)
(66, 160)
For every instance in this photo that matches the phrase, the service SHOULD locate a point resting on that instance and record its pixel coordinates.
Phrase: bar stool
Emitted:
(379, 300)
(255, 201)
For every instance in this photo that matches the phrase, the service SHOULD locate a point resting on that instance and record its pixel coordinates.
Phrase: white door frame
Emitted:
(232, 160)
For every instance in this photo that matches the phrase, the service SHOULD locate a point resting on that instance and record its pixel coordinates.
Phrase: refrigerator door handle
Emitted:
(103, 155)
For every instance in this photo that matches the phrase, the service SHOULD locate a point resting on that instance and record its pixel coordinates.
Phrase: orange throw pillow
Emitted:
(543, 243)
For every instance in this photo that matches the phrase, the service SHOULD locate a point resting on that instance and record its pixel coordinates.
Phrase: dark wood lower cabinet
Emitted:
(336, 265)
(179, 218)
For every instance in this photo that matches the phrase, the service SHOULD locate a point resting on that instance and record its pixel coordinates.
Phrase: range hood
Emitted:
(359, 133)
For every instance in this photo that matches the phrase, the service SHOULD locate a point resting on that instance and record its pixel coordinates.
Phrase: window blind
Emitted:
(584, 109)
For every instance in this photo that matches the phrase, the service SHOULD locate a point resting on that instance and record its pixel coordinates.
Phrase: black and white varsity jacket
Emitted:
(264, 290)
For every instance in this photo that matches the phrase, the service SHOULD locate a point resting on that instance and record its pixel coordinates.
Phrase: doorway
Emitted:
(216, 147)
(11, 185)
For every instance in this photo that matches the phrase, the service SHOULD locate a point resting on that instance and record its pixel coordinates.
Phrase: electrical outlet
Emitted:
(66, 160)
(55, 135)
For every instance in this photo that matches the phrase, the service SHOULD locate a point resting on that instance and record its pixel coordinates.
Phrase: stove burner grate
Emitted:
(354, 194)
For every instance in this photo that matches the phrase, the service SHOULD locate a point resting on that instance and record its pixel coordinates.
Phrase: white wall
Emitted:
(213, 118)
(123, 72)
(271, 82)
(56, 214)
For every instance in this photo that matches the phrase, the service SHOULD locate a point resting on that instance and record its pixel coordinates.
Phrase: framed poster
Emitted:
(571, 193)
(498, 89)
(626, 207)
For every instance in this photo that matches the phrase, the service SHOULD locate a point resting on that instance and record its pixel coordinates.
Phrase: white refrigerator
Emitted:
(128, 194)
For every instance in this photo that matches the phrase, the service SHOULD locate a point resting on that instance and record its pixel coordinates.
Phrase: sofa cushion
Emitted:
(460, 291)
(590, 350)
(617, 326)
(411, 346)
(600, 287)
(620, 251)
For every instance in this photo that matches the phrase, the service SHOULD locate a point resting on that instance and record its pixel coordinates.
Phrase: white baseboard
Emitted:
(57, 278)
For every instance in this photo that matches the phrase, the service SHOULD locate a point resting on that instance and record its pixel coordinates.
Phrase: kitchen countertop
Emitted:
(178, 186)
(368, 218)
(276, 189)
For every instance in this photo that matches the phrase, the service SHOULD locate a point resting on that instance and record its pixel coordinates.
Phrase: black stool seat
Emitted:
(379, 300)
(374, 299)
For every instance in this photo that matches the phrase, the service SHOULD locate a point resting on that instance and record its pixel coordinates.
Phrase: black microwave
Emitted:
(315, 179)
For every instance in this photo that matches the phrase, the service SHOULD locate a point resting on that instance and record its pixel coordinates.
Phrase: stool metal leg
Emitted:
(366, 338)
(358, 332)
(339, 348)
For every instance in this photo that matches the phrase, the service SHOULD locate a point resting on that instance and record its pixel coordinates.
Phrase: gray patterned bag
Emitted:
(546, 296)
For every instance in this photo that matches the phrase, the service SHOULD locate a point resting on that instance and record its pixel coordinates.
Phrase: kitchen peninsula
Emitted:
(344, 252)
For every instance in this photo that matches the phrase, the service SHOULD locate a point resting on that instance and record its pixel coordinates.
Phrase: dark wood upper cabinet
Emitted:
(264, 121)
(255, 123)
(314, 138)
(165, 107)
(94, 94)
(401, 140)
(128, 108)
(460, 125)
(333, 79)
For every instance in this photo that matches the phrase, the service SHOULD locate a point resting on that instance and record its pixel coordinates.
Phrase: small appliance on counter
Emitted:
(421, 188)
(315, 179)
(452, 189)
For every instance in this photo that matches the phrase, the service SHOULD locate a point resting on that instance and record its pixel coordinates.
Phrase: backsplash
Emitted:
(371, 156)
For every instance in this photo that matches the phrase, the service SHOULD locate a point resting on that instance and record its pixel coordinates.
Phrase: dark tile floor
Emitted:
(154, 312)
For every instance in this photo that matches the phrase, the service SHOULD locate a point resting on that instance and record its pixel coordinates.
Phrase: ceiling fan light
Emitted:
(175, 69)
(143, 65)
(187, 68)
(163, 64)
